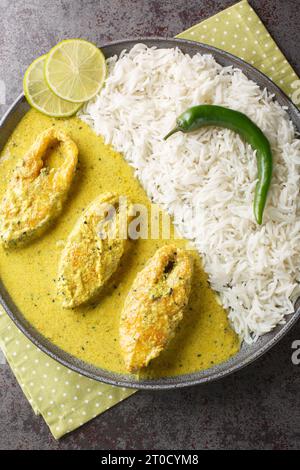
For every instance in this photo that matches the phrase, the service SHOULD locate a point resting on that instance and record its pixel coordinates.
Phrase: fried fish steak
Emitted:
(93, 250)
(35, 193)
(155, 306)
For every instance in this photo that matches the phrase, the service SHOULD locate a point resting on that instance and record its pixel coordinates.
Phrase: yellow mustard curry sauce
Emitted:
(90, 332)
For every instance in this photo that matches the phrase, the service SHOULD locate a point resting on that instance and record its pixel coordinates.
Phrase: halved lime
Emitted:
(39, 95)
(75, 70)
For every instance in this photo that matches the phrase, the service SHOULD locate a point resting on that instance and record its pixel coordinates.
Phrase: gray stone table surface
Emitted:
(258, 407)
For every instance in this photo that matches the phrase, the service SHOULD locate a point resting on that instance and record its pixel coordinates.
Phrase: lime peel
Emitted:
(40, 97)
(75, 70)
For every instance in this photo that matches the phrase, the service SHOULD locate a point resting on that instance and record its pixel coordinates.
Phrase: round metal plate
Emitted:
(247, 354)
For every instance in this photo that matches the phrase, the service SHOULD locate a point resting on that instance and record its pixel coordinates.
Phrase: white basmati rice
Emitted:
(206, 180)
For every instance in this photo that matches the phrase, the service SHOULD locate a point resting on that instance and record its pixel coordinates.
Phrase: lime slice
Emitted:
(75, 70)
(39, 95)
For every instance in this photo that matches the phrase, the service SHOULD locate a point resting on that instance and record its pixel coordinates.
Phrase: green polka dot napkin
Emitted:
(239, 30)
(64, 398)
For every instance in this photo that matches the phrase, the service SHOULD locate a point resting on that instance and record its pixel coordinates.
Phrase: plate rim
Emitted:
(125, 380)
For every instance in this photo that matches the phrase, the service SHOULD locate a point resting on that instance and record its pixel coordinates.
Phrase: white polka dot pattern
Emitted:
(238, 30)
(64, 398)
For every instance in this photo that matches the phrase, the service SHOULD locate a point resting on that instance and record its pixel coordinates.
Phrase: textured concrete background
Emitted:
(258, 407)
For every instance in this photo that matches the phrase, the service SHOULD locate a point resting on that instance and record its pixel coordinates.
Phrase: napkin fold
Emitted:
(240, 31)
(66, 399)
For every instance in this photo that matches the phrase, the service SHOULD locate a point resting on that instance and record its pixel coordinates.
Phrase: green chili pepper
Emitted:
(208, 115)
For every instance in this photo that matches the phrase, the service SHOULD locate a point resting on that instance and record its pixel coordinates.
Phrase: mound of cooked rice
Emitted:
(206, 180)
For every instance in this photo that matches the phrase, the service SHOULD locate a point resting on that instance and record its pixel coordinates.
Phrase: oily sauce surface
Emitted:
(90, 333)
